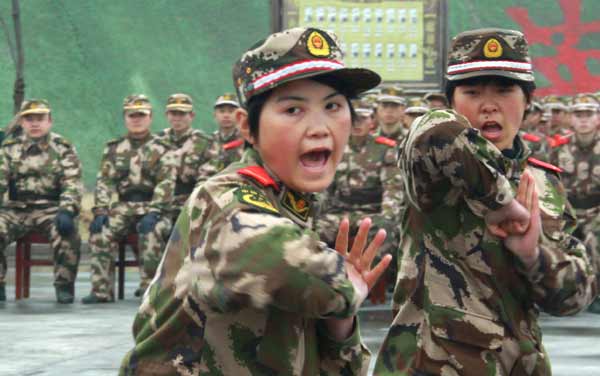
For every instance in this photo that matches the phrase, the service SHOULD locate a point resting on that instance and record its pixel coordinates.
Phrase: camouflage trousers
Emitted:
(16, 222)
(590, 233)
(104, 247)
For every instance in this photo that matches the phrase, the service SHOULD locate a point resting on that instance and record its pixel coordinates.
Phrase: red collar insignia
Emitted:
(547, 166)
(260, 175)
(385, 141)
(233, 144)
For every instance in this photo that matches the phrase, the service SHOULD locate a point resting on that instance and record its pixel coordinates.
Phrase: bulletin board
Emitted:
(402, 40)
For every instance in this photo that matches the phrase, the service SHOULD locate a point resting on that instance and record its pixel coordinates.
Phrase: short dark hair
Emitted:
(528, 87)
(256, 103)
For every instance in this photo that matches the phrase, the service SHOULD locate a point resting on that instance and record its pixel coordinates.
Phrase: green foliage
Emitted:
(85, 56)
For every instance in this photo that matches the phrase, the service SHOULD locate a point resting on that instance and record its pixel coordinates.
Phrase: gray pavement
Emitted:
(40, 337)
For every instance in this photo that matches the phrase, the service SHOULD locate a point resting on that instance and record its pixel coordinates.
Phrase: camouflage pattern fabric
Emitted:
(581, 176)
(367, 183)
(192, 151)
(144, 168)
(536, 142)
(471, 306)
(225, 300)
(224, 150)
(41, 177)
(397, 135)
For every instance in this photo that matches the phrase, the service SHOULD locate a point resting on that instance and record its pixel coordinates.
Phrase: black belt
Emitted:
(183, 188)
(362, 197)
(25, 197)
(588, 202)
(136, 197)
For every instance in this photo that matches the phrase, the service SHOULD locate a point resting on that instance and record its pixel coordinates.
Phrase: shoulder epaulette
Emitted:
(115, 141)
(385, 141)
(199, 133)
(531, 137)
(10, 141)
(233, 144)
(544, 165)
(557, 140)
(61, 140)
(260, 175)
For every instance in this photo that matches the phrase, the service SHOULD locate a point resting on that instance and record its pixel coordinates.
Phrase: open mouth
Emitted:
(315, 159)
(491, 130)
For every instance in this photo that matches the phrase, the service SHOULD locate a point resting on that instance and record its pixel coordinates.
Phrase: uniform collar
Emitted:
(136, 142)
(41, 143)
(233, 136)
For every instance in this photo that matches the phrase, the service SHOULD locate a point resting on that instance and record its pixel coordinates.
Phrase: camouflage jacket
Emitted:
(130, 167)
(536, 142)
(397, 136)
(581, 175)
(192, 151)
(45, 172)
(471, 305)
(223, 152)
(367, 182)
(243, 287)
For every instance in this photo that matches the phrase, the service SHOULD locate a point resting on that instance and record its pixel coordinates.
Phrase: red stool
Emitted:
(24, 262)
(130, 240)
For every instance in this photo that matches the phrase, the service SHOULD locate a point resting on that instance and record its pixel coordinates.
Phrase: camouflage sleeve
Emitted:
(444, 151)
(71, 182)
(213, 163)
(4, 174)
(262, 260)
(563, 278)
(162, 196)
(349, 357)
(105, 183)
(392, 201)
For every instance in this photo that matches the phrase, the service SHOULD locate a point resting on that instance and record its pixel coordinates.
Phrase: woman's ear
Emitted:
(241, 118)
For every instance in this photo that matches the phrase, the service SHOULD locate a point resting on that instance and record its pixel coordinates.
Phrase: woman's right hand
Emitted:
(359, 260)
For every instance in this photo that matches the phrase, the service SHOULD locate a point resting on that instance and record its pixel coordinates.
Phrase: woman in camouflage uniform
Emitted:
(489, 227)
(245, 287)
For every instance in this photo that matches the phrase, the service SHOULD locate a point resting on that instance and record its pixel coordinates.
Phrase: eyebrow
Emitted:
(304, 99)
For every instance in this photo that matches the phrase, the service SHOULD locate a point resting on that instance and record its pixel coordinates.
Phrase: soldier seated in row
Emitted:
(139, 169)
(579, 159)
(390, 114)
(228, 145)
(191, 148)
(41, 172)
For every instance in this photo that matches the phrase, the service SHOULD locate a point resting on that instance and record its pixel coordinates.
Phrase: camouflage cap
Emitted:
(489, 52)
(534, 106)
(180, 102)
(554, 102)
(362, 107)
(137, 103)
(584, 102)
(416, 106)
(391, 94)
(34, 106)
(436, 95)
(295, 54)
(227, 98)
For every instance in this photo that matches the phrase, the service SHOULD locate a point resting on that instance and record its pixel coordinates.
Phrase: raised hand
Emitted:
(359, 261)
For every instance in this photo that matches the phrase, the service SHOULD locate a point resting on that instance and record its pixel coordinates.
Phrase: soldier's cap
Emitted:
(416, 106)
(535, 106)
(227, 99)
(137, 103)
(391, 94)
(180, 102)
(362, 107)
(436, 95)
(295, 54)
(553, 102)
(489, 52)
(34, 106)
(584, 102)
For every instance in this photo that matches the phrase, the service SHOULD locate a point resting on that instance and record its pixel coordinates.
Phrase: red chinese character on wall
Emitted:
(567, 52)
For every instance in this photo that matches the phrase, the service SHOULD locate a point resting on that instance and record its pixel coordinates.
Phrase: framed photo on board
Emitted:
(402, 40)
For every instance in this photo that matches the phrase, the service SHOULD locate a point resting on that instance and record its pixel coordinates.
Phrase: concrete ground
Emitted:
(40, 337)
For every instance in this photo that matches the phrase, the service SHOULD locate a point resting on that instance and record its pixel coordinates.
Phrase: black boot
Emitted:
(65, 293)
(2, 292)
(95, 299)
(595, 306)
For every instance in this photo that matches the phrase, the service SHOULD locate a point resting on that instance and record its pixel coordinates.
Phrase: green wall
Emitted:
(85, 56)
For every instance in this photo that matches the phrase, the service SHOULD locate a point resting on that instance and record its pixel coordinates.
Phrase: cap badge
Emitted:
(492, 48)
(317, 45)
(138, 103)
(296, 204)
(33, 106)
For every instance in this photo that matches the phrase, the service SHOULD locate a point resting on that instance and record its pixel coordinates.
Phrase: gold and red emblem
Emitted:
(317, 45)
(492, 48)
